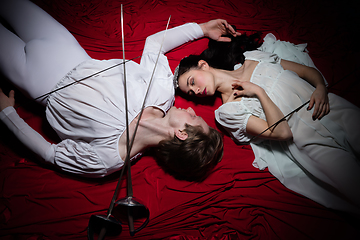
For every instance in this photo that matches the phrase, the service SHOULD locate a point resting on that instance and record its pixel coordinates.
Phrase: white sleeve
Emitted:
(70, 156)
(233, 117)
(28, 136)
(174, 37)
(80, 158)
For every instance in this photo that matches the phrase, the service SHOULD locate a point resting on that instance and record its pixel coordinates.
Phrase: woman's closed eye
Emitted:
(190, 82)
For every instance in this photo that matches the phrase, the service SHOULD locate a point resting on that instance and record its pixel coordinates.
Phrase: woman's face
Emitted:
(197, 82)
(179, 117)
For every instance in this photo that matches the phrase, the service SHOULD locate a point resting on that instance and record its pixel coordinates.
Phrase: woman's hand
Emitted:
(320, 99)
(255, 126)
(214, 29)
(244, 89)
(6, 101)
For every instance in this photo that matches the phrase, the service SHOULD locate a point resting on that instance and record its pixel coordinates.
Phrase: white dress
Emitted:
(322, 161)
(89, 116)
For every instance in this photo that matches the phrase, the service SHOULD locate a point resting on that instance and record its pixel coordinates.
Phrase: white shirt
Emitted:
(89, 116)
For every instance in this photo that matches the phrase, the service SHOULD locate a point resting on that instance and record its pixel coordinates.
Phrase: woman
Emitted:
(315, 152)
(89, 116)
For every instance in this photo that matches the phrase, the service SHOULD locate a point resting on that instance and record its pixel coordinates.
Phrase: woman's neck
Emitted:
(225, 78)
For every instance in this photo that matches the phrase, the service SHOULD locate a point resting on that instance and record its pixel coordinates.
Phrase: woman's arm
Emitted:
(273, 114)
(319, 97)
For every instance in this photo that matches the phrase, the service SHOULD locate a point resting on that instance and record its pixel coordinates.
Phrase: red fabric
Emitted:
(237, 201)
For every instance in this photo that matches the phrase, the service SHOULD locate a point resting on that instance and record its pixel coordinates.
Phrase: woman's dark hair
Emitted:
(191, 159)
(225, 55)
(222, 55)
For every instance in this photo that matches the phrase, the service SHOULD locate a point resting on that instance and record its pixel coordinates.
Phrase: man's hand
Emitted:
(6, 101)
(214, 29)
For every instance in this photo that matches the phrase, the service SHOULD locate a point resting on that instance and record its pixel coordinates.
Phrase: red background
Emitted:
(237, 201)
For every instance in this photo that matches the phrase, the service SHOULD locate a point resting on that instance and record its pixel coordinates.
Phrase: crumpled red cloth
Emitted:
(237, 201)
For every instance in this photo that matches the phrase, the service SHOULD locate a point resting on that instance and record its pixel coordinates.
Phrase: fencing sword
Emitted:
(129, 205)
(82, 79)
(108, 224)
(297, 109)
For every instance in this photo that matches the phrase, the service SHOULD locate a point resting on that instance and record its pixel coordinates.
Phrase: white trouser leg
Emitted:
(40, 52)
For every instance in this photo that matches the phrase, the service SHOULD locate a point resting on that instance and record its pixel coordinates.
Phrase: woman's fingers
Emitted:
(320, 102)
(320, 110)
(323, 110)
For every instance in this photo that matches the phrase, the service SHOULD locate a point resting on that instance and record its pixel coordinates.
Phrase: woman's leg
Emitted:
(39, 52)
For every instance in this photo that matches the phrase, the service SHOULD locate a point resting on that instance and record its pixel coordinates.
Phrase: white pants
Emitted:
(39, 52)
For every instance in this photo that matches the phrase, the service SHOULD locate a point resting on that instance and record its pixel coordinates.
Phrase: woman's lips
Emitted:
(204, 92)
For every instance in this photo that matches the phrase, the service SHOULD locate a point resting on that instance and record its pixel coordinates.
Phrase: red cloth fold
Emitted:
(237, 201)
